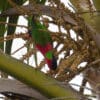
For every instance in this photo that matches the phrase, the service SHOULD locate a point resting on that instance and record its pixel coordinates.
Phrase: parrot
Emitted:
(43, 42)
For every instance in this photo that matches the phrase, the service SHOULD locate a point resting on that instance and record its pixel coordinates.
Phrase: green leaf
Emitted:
(2, 31)
(3, 5)
(11, 29)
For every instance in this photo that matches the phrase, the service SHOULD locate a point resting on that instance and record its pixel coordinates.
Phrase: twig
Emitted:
(88, 12)
(28, 54)
(11, 24)
(84, 81)
(9, 37)
(94, 62)
(21, 47)
(18, 49)
(84, 87)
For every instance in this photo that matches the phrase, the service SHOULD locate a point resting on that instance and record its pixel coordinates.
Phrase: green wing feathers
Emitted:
(40, 33)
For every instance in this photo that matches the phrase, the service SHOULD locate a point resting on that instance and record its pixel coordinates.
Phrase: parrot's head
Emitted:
(52, 63)
(49, 56)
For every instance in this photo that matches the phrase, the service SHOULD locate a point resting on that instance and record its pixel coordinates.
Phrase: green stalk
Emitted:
(34, 78)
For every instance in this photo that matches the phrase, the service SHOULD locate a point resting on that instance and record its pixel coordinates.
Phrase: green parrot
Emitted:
(43, 42)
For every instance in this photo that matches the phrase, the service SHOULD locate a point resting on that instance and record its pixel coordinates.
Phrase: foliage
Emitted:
(82, 23)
